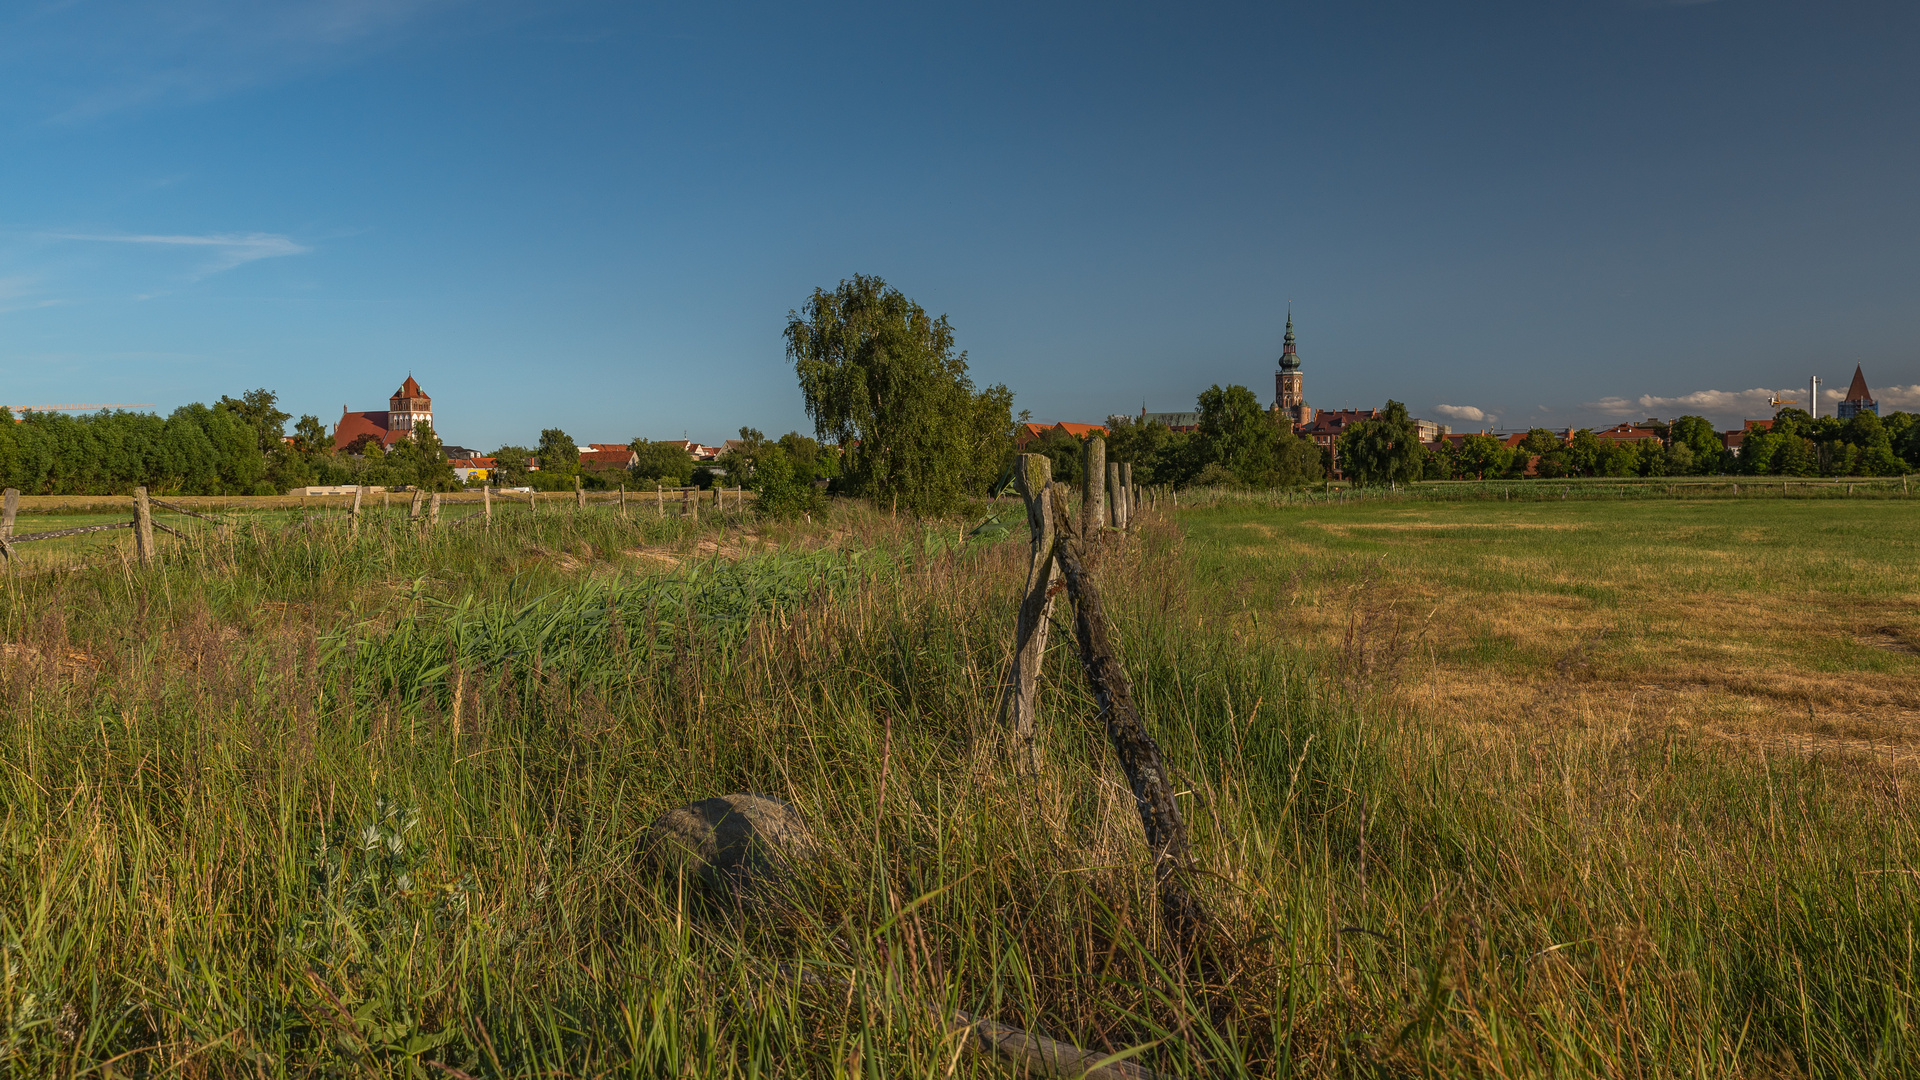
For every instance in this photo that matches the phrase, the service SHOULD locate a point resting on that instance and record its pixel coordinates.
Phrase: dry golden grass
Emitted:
(1775, 622)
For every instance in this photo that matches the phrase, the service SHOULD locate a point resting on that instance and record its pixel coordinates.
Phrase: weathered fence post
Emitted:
(579, 494)
(9, 506)
(1139, 755)
(1093, 503)
(1114, 509)
(433, 509)
(1033, 478)
(1126, 494)
(486, 502)
(413, 511)
(142, 527)
(659, 501)
(353, 512)
(623, 500)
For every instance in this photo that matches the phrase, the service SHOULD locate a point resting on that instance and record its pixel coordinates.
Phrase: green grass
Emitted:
(317, 804)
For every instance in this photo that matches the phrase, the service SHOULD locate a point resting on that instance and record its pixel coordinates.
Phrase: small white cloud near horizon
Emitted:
(228, 249)
(1466, 412)
(1751, 403)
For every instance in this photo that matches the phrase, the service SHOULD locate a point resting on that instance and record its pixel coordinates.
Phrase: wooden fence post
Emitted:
(486, 502)
(623, 500)
(142, 527)
(1126, 493)
(9, 506)
(413, 511)
(433, 509)
(1115, 512)
(1033, 478)
(579, 494)
(659, 501)
(1093, 503)
(353, 512)
(1166, 831)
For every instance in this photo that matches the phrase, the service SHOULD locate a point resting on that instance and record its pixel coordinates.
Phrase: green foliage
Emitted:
(511, 465)
(882, 381)
(666, 463)
(258, 409)
(557, 452)
(1383, 451)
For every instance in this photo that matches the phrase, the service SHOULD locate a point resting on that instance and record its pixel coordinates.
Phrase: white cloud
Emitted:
(1465, 412)
(1724, 403)
(227, 250)
(1904, 398)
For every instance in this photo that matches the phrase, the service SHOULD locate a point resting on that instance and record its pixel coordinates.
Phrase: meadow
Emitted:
(310, 802)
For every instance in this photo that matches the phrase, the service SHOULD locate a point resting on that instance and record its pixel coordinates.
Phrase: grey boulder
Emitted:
(738, 850)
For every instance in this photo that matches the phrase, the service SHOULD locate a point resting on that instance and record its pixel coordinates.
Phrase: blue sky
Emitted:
(597, 216)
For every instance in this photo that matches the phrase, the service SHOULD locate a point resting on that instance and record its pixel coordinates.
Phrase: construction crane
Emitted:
(83, 407)
(1776, 402)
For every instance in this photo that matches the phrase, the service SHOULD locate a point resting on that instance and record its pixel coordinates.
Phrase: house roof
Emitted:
(607, 446)
(607, 459)
(1858, 390)
(352, 425)
(409, 389)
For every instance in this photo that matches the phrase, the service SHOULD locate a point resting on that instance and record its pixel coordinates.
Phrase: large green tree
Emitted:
(661, 462)
(881, 379)
(557, 452)
(1385, 450)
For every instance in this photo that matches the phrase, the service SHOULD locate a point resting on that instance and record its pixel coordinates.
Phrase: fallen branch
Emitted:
(1029, 1054)
(1185, 917)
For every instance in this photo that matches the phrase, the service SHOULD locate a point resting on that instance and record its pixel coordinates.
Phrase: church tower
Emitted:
(1289, 386)
(409, 406)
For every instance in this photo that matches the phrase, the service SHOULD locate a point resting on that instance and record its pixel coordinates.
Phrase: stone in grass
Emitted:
(737, 850)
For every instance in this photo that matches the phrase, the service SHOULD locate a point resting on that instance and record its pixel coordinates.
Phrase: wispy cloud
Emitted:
(227, 250)
(114, 55)
(1469, 413)
(17, 294)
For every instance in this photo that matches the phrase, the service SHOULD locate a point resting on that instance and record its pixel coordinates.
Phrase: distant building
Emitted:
(1631, 433)
(1026, 433)
(408, 407)
(604, 457)
(470, 468)
(1289, 385)
(1858, 400)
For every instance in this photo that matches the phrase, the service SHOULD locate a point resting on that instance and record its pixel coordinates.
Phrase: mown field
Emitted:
(301, 802)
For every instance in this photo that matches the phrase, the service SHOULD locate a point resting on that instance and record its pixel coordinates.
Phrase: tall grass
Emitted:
(371, 807)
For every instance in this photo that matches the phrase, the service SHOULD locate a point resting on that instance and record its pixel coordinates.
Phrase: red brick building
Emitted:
(408, 406)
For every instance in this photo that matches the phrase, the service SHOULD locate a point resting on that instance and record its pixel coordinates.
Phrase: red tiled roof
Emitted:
(352, 425)
(408, 389)
(598, 460)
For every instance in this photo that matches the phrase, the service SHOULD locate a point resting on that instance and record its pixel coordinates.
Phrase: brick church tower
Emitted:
(408, 406)
(1289, 386)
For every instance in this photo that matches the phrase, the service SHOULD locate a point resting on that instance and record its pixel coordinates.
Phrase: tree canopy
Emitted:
(881, 380)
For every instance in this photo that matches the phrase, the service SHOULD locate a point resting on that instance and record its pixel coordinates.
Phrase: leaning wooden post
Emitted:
(433, 509)
(1033, 478)
(9, 506)
(353, 512)
(142, 527)
(1166, 831)
(1093, 503)
(623, 500)
(413, 511)
(579, 494)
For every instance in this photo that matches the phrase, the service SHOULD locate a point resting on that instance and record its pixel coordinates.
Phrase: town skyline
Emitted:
(1566, 216)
